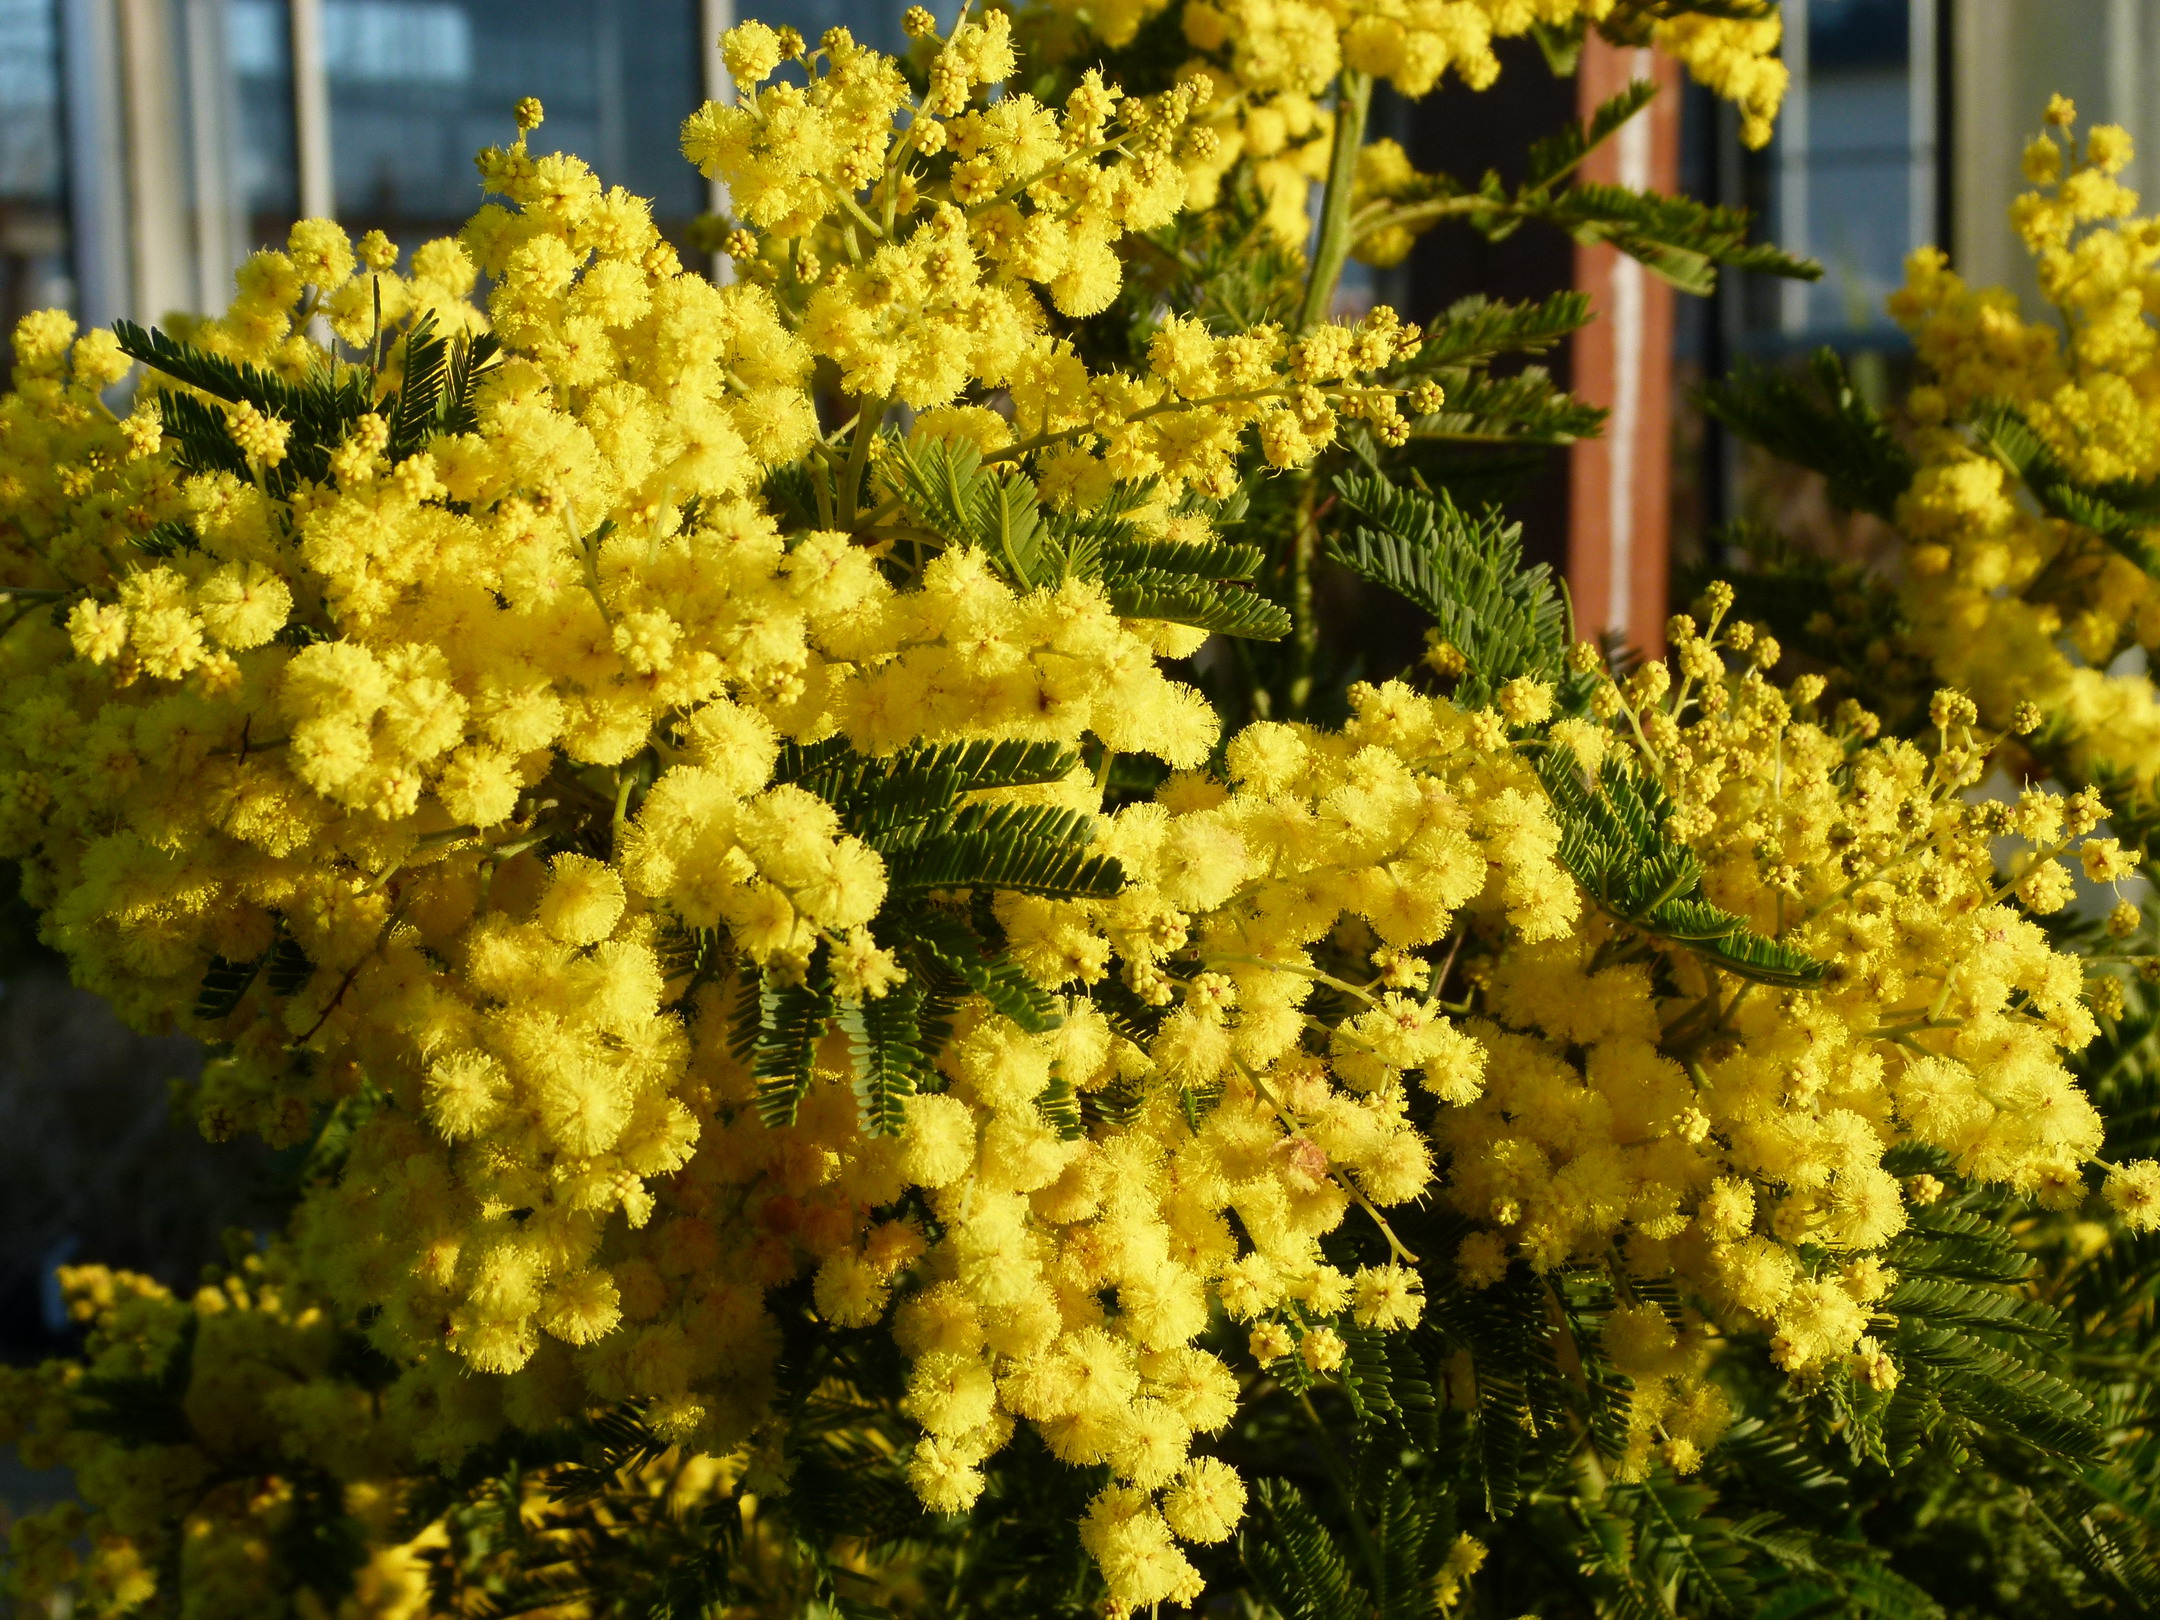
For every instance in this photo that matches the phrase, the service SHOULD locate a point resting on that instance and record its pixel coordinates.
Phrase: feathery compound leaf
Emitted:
(946, 488)
(1555, 157)
(1029, 848)
(1613, 842)
(1294, 1561)
(1527, 408)
(223, 984)
(1200, 559)
(419, 397)
(877, 796)
(1365, 1374)
(791, 1017)
(1009, 522)
(990, 860)
(1476, 329)
(1995, 1389)
(1829, 429)
(318, 409)
(1506, 620)
(205, 446)
(288, 969)
(1060, 1110)
(1205, 604)
(940, 482)
(471, 358)
(1960, 1243)
(1779, 1462)
(1946, 1302)
(949, 942)
(213, 374)
(2122, 514)
(893, 1052)
(1683, 240)
(1508, 1330)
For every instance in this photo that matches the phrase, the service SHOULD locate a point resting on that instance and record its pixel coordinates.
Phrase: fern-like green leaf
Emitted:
(953, 945)
(791, 1017)
(1947, 1302)
(1504, 619)
(1554, 157)
(1829, 429)
(1683, 240)
(1477, 329)
(223, 984)
(419, 396)
(1995, 1390)
(894, 1047)
(1294, 1561)
(1613, 843)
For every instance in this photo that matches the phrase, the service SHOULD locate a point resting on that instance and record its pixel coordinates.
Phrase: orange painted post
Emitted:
(1620, 514)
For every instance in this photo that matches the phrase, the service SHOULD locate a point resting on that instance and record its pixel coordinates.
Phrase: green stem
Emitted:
(1304, 612)
(1353, 99)
(872, 418)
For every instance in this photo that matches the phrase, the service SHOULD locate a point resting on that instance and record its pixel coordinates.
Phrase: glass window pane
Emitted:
(258, 53)
(1847, 177)
(33, 229)
(417, 86)
(1859, 159)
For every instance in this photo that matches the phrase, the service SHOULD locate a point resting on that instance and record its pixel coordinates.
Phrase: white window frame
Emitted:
(149, 127)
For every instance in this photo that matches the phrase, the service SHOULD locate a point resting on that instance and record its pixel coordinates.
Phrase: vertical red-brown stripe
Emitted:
(1618, 539)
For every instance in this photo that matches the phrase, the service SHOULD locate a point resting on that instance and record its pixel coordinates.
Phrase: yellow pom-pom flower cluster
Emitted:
(1732, 1134)
(493, 746)
(1270, 65)
(2012, 604)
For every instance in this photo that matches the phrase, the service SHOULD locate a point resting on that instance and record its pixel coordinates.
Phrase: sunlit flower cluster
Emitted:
(2010, 603)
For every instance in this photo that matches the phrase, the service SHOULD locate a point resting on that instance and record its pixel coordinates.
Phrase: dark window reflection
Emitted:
(258, 53)
(417, 86)
(33, 230)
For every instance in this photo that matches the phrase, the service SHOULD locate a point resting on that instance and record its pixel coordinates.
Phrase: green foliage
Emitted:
(911, 810)
(945, 489)
(1613, 841)
(2122, 513)
(434, 395)
(1681, 239)
(1829, 429)
(1476, 329)
(1504, 619)
(1402, 1539)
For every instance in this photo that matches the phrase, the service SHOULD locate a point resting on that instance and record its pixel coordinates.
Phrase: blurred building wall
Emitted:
(2006, 58)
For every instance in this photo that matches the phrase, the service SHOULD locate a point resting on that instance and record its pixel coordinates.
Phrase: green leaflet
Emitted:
(1477, 329)
(1991, 1388)
(1613, 842)
(436, 397)
(946, 490)
(1554, 157)
(1386, 1569)
(1683, 240)
(224, 984)
(791, 1017)
(910, 809)
(894, 1040)
(1027, 849)
(2122, 514)
(1506, 620)
(1947, 1302)
(1828, 428)
(284, 969)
